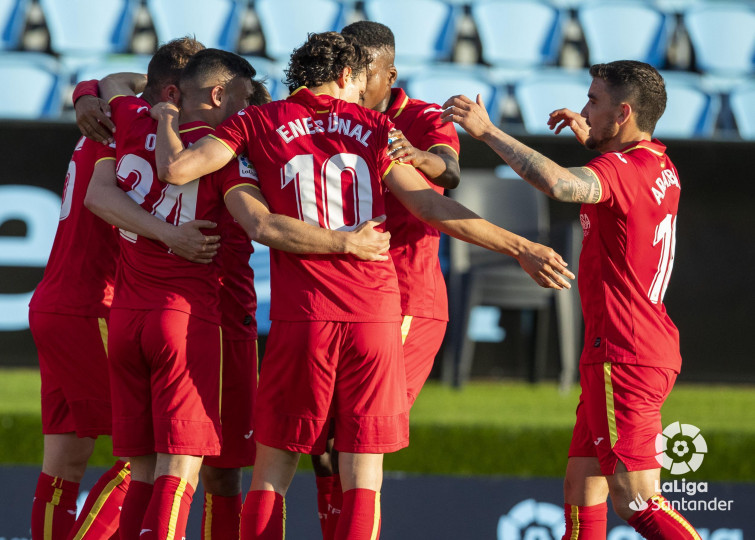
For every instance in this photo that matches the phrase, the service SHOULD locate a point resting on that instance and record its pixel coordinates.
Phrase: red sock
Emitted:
(360, 516)
(221, 518)
(329, 503)
(585, 522)
(168, 509)
(263, 516)
(102, 509)
(659, 521)
(53, 511)
(134, 506)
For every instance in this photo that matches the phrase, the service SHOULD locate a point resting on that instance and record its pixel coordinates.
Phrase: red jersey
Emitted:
(320, 160)
(627, 257)
(149, 275)
(80, 272)
(414, 244)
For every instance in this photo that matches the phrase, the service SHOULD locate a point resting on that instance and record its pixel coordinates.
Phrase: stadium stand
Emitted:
(12, 19)
(31, 86)
(742, 101)
(542, 92)
(216, 23)
(691, 111)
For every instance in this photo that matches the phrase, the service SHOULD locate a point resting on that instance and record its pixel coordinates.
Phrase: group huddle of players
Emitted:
(145, 318)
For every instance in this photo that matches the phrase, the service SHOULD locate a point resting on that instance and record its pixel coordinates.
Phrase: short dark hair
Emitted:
(260, 95)
(637, 83)
(169, 61)
(372, 35)
(322, 58)
(216, 64)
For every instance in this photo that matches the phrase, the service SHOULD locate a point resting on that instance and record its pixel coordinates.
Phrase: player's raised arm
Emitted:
(106, 200)
(542, 263)
(439, 164)
(568, 185)
(249, 207)
(176, 164)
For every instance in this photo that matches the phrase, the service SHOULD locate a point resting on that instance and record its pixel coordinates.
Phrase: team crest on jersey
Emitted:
(246, 169)
(585, 221)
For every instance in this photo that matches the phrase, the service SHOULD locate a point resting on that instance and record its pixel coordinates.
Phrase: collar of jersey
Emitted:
(191, 126)
(400, 99)
(655, 146)
(321, 103)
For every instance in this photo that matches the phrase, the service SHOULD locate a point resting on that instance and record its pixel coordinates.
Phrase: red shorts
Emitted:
(619, 414)
(422, 339)
(165, 380)
(352, 372)
(74, 369)
(237, 404)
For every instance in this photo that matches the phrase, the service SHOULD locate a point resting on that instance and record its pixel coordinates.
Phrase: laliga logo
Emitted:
(681, 448)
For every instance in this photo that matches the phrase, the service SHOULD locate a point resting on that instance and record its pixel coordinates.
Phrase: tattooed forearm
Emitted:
(533, 166)
(581, 187)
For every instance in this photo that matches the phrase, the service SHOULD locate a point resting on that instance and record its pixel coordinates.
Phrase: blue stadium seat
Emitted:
(518, 33)
(89, 27)
(723, 37)
(31, 86)
(286, 23)
(436, 85)
(544, 92)
(12, 19)
(691, 112)
(216, 23)
(132, 63)
(624, 30)
(425, 30)
(742, 101)
(272, 73)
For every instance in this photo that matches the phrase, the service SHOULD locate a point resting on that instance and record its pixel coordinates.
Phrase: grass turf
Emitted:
(498, 428)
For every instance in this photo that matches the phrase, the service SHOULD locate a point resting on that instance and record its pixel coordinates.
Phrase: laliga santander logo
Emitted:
(681, 448)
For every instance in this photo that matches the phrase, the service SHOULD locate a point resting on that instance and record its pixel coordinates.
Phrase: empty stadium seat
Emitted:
(742, 101)
(518, 33)
(425, 30)
(272, 75)
(723, 37)
(542, 93)
(216, 23)
(624, 30)
(31, 86)
(132, 63)
(436, 85)
(12, 19)
(286, 23)
(691, 112)
(89, 27)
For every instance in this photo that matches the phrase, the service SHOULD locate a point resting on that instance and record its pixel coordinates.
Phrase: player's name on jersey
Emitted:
(666, 180)
(307, 126)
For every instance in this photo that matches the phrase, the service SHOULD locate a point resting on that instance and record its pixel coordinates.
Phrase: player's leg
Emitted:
(421, 339)
(295, 391)
(184, 354)
(329, 490)
(221, 475)
(138, 496)
(372, 418)
(633, 397)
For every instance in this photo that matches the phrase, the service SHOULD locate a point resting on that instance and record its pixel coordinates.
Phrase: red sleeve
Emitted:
(437, 132)
(86, 88)
(239, 172)
(609, 169)
(124, 109)
(236, 131)
(104, 151)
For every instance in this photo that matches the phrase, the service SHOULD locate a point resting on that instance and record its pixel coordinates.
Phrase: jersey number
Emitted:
(665, 234)
(337, 196)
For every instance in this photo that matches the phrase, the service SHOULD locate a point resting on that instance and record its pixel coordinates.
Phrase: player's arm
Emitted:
(176, 164)
(248, 206)
(542, 263)
(440, 164)
(106, 200)
(122, 84)
(574, 184)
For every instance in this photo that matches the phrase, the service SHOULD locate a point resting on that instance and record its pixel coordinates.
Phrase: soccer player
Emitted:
(629, 196)
(334, 347)
(68, 318)
(432, 147)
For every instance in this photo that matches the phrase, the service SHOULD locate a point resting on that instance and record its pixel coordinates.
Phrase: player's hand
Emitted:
(163, 111)
(545, 266)
(368, 244)
(562, 118)
(472, 116)
(401, 150)
(188, 241)
(93, 119)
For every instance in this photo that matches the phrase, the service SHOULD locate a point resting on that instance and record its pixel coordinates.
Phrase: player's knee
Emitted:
(323, 464)
(222, 482)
